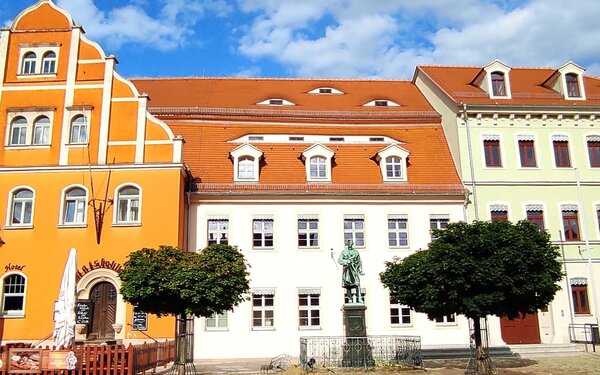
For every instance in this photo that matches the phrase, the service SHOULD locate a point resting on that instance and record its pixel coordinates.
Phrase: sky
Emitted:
(332, 38)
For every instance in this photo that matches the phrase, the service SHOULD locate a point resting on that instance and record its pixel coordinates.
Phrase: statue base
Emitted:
(354, 320)
(357, 351)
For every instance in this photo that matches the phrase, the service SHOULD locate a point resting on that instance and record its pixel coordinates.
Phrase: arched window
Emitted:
(29, 61)
(18, 131)
(246, 167)
(393, 167)
(572, 85)
(49, 63)
(79, 130)
(318, 167)
(74, 208)
(13, 295)
(498, 84)
(22, 207)
(41, 131)
(128, 205)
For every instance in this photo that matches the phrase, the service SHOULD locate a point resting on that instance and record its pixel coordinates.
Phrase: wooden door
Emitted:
(104, 307)
(523, 330)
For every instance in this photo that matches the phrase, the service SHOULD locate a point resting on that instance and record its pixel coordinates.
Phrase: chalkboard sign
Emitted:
(83, 311)
(140, 321)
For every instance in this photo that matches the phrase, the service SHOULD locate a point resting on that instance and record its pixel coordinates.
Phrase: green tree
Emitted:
(172, 281)
(478, 269)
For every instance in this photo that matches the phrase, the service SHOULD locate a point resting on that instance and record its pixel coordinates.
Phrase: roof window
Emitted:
(276, 102)
(325, 91)
(336, 139)
(381, 103)
(296, 139)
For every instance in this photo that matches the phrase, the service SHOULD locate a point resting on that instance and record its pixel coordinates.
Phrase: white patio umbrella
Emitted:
(64, 325)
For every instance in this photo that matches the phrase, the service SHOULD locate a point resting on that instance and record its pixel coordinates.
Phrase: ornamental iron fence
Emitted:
(365, 352)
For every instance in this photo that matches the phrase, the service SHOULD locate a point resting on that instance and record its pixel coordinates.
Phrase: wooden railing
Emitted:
(101, 359)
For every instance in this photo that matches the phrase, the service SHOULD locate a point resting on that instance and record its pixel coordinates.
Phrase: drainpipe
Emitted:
(568, 290)
(587, 246)
(471, 165)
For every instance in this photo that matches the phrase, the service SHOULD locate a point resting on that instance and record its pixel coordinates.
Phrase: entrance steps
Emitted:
(530, 350)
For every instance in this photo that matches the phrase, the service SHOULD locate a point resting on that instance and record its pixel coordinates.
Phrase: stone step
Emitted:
(504, 351)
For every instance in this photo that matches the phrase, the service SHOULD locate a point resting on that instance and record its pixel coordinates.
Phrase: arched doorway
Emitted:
(104, 307)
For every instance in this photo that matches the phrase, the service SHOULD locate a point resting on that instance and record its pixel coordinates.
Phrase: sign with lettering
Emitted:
(60, 360)
(140, 321)
(13, 267)
(98, 264)
(83, 311)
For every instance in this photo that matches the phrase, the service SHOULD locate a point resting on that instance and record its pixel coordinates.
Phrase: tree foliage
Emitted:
(478, 269)
(172, 281)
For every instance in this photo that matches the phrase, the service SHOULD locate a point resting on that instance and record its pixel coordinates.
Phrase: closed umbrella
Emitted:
(64, 325)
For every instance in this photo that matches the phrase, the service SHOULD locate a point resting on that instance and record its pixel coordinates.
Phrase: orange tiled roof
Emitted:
(526, 86)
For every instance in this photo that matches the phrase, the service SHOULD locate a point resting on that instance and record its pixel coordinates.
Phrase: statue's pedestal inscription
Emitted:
(354, 320)
(357, 351)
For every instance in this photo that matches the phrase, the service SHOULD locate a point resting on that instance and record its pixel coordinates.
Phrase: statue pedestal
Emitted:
(357, 351)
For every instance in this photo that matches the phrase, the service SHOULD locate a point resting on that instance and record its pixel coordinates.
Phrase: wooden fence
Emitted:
(91, 359)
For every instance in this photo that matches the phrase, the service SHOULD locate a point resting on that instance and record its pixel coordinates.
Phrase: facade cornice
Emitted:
(532, 183)
(86, 168)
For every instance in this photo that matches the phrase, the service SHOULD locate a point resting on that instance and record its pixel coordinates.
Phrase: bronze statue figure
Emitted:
(352, 269)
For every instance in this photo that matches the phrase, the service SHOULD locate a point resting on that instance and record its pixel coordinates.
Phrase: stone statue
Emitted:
(352, 269)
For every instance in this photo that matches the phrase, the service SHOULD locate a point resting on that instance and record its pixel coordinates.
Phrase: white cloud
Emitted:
(388, 38)
(133, 24)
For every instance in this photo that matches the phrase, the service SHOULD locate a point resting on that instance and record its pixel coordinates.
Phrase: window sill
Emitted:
(127, 224)
(224, 329)
(27, 147)
(36, 75)
(444, 325)
(407, 325)
(309, 249)
(76, 145)
(263, 328)
(16, 316)
(309, 328)
(18, 227)
(263, 248)
(529, 168)
(583, 315)
(396, 248)
(78, 225)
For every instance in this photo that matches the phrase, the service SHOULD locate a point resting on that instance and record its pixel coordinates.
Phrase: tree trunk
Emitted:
(480, 362)
(184, 356)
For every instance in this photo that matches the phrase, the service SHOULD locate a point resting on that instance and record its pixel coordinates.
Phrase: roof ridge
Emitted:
(273, 79)
(481, 67)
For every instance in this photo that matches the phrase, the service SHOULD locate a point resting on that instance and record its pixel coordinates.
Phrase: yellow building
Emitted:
(83, 165)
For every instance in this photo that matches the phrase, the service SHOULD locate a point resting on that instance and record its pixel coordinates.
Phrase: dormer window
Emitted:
(325, 91)
(246, 163)
(276, 102)
(498, 84)
(317, 160)
(381, 103)
(572, 85)
(392, 163)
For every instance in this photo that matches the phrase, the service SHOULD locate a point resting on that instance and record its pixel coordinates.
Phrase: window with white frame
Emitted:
(41, 131)
(317, 159)
(318, 167)
(246, 159)
(263, 310)
(400, 315)
(446, 319)
(438, 222)
(18, 131)
(13, 295)
(79, 130)
(28, 65)
(218, 230)
(308, 231)
(309, 309)
(393, 167)
(217, 322)
(397, 230)
(29, 128)
(392, 163)
(21, 208)
(49, 63)
(354, 229)
(38, 60)
(128, 205)
(74, 207)
(262, 233)
(246, 168)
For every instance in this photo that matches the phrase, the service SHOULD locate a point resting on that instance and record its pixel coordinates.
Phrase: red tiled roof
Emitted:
(526, 86)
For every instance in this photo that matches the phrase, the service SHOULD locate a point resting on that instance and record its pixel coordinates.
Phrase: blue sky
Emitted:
(332, 38)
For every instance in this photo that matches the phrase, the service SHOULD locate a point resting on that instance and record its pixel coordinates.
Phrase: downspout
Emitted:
(568, 290)
(188, 211)
(471, 164)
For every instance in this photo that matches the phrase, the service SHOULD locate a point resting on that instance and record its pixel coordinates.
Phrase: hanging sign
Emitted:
(140, 321)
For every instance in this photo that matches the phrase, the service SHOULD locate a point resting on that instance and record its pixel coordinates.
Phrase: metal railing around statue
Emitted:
(371, 351)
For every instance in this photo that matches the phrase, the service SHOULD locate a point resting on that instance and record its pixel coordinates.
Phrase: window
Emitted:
(393, 167)
(561, 153)
(22, 208)
(438, 222)
(325, 90)
(594, 152)
(308, 232)
(527, 154)
(13, 295)
(397, 231)
(381, 103)
(446, 319)
(41, 131)
(580, 299)
(354, 229)
(263, 311)
(491, 150)
(498, 84)
(399, 314)
(79, 130)
(246, 158)
(128, 205)
(262, 233)
(246, 167)
(536, 217)
(49, 63)
(29, 61)
(75, 205)
(309, 314)
(572, 85)
(218, 231)
(499, 215)
(570, 225)
(18, 131)
(318, 167)
(217, 321)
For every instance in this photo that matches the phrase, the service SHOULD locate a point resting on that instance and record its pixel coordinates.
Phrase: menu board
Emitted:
(83, 311)
(140, 321)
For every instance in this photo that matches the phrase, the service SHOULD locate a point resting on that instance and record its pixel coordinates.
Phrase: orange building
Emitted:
(83, 165)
